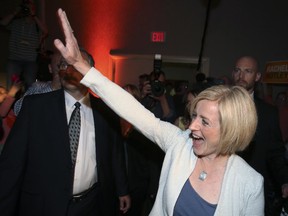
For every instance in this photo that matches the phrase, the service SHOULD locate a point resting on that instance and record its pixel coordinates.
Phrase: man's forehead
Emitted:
(247, 65)
(246, 62)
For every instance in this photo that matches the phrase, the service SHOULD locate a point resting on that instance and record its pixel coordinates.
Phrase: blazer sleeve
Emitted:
(127, 107)
(118, 153)
(119, 166)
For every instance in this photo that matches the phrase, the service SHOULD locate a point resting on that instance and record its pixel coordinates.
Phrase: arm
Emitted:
(6, 105)
(128, 107)
(41, 25)
(7, 19)
(166, 103)
(165, 106)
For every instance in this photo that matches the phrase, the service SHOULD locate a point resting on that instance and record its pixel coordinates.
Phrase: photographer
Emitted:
(154, 96)
(27, 32)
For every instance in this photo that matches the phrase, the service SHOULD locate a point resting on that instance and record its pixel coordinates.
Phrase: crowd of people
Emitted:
(215, 149)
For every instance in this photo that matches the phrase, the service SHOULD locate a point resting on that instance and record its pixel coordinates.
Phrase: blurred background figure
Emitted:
(39, 87)
(183, 121)
(156, 98)
(138, 161)
(92, 181)
(181, 89)
(6, 112)
(281, 102)
(141, 82)
(266, 151)
(27, 33)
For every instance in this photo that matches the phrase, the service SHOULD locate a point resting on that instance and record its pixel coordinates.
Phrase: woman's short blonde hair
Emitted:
(237, 116)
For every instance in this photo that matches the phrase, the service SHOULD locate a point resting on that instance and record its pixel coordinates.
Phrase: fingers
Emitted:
(125, 203)
(68, 32)
(67, 50)
(70, 49)
(59, 45)
(124, 209)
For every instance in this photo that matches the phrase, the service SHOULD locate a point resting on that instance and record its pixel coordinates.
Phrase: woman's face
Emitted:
(205, 128)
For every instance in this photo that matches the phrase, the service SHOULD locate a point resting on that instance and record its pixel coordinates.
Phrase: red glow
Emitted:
(99, 29)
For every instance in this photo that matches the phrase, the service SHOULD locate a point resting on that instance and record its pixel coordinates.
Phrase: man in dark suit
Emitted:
(37, 176)
(265, 150)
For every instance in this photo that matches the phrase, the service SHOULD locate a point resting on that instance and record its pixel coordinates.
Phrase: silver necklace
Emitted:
(203, 175)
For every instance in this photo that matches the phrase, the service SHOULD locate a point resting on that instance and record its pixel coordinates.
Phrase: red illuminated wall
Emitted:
(97, 24)
(98, 28)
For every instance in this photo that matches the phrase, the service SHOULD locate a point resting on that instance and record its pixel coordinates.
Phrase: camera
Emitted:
(157, 87)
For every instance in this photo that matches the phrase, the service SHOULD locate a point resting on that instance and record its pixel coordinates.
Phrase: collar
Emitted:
(70, 100)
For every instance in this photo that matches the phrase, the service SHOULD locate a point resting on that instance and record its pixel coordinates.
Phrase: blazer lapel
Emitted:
(62, 125)
(98, 129)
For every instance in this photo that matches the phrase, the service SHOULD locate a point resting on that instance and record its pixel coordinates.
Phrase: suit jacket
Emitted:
(35, 165)
(266, 141)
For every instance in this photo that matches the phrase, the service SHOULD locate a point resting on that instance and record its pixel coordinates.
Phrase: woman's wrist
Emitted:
(82, 67)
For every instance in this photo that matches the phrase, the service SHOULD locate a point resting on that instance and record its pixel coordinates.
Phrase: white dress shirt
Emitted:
(85, 167)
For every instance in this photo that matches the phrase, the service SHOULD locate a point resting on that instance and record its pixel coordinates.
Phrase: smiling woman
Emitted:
(237, 125)
(228, 186)
(209, 163)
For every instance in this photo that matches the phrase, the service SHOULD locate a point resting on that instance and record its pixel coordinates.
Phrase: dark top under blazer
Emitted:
(35, 165)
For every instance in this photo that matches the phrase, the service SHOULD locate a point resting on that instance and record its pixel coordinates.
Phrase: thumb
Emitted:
(59, 45)
(121, 204)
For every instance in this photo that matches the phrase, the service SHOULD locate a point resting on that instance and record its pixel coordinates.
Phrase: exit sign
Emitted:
(158, 37)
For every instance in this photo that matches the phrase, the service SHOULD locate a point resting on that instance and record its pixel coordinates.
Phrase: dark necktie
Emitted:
(74, 131)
